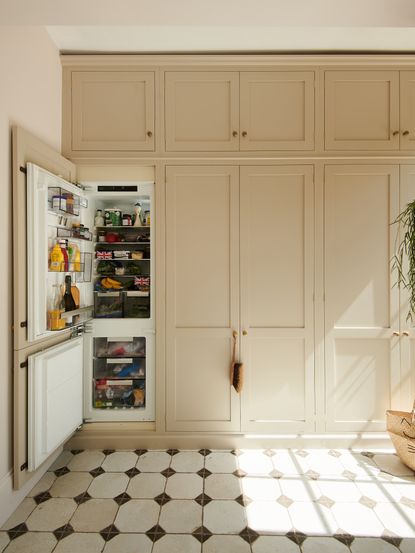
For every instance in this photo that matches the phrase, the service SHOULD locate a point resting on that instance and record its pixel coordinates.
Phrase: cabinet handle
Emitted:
(405, 333)
(244, 133)
(234, 134)
(395, 133)
(395, 333)
(149, 134)
(405, 133)
(244, 333)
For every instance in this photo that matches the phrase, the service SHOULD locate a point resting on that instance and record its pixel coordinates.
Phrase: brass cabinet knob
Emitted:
(149, 134)
(244, 133)
(405, 133)
(244, 333)
(235, 134)
(395, 333)
(234, 334)
(405, 333)
(395, 133)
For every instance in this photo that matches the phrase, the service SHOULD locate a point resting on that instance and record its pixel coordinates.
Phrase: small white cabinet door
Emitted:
(277, 282)
(202, 297)
(361, 305)
(202, 111)
(362, 110)
(277, 110)
(54, 398)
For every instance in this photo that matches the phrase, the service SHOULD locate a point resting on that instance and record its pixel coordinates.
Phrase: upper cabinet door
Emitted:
(277, 110)
(407, 110)
(362, 110)
(112, 111)
(202, 111)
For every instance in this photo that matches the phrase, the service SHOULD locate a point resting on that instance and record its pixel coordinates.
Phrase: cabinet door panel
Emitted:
(202, 303)
(361, 307)
(202, 111)
(407, 110)
(112, 110)
(361, 110)
(277, 110)
(277, 241)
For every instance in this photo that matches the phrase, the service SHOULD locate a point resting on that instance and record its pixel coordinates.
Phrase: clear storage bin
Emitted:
(136, 305)
(119, 394)
(107, 305)
(120, 368)
(120, 347)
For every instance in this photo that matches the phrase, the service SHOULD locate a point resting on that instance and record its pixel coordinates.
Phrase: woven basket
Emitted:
(401, 428)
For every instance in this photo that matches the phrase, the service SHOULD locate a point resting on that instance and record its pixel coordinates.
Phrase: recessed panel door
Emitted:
(277, 280)
(407, 110)
(202, 303)
(361, 305)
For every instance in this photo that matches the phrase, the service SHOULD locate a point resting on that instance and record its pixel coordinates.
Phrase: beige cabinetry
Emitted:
(361, 307)
(202, 296)
(369, 110)
(232, 111)
(277, 310)
(111, 111)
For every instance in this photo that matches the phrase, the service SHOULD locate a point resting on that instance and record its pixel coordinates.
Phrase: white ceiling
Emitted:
(219, 25)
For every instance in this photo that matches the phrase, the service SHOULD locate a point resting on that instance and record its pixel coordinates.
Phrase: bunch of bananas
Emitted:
(111, 283)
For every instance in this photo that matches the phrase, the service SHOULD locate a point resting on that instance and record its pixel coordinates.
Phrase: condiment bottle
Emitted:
(57, 260)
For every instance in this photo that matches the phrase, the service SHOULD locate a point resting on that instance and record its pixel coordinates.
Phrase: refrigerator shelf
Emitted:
(62, 232)
(79, 311)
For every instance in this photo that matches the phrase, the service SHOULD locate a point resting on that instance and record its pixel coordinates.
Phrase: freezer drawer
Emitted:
(119, 394)
(55, 387)
(120, 368)
(120, 347)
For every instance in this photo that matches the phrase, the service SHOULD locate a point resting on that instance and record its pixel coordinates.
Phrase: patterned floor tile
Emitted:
(187, 461)
(21, 514)
(339, 489)
(177, 544)
(230, 544)
(224, 517)
(184, 486)
(94, 515)
(407, 545)
(181, 516)
(71, 484)
(4, 540)
(396, 518)
(86, 461)
(372, 545)
(221, 462)
(312, 519)
(64, 458)
(138, 515)
(357, 519)
(129, 543)
(120, 461)
(274, 544)
(323, 545)
(43, 485)
(80, 543)
(32, 542)
(255, 462)
(266, 517)
(108, 485)
(154, 461)
(299, 489)
(287, 463)
(223, 486)
(260, 488)
(52, 514)
(146, 485)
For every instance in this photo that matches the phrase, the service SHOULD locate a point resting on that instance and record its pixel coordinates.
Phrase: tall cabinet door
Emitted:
(202, 303)
(361, 306)
(407, 110)
(277, 281)
(407, 327)
(277, 110)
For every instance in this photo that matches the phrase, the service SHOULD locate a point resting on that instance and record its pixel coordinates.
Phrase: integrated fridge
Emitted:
(94, 242)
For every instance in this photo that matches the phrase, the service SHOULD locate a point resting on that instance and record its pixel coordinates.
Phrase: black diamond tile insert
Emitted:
(140, 451)
(343, 537)
(391, 538)
(96, 472)
(76, 451)
(63, 531)
(239, 473)
(82, 498)
(62, 471)
(202, 534)
(204, 473)
(203, 499)
(243, 500)
(132, 472)
(368, 454)
(109, 532)
(108, 451)
(122, 498)
(276, 474)
(236, 452)
(155, 533)
(17, 531)
(269, 453)
(42, 497)
(168, 472)
(172, 452)
(205, 452)
(162, 499)
(296, 536)
(248, 535)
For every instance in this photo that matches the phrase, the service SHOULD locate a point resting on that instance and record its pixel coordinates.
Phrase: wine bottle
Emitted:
(68, 300)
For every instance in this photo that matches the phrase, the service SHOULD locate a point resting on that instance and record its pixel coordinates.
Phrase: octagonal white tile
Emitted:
(224, 517)
(33, 542)
(51, 514)
(177, 543)
(129, 543)
(181, 516)
(187, 461)
(153, 461)
(80, 543)
(274, 544)
(221, 462)
(184, 486)
(146, 485)
(71, 484)
(268, 517)
(229, 544)
(86, 460)
(137, 515)
(120, 461)
(223, 486)
(108, 485)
